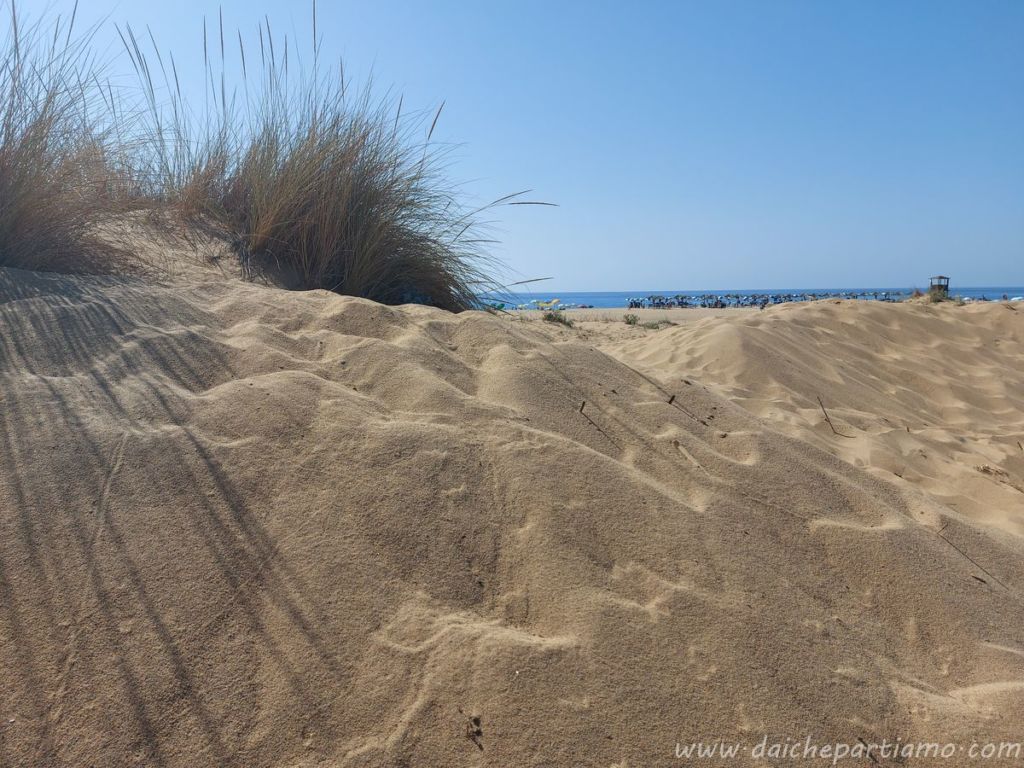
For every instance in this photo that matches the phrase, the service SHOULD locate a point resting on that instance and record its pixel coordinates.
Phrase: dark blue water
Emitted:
(738, 297)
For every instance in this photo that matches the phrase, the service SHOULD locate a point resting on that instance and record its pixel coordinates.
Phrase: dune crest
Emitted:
(240, 526)
(929, 396)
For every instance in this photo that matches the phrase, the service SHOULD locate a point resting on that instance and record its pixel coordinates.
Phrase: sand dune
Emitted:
(246, 527)
(928, 396)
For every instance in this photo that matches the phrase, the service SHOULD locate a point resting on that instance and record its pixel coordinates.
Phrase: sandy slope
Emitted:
(929, 396)
(612, 319)
(246, 527)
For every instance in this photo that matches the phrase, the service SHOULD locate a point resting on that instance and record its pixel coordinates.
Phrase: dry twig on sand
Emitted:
(834, 430)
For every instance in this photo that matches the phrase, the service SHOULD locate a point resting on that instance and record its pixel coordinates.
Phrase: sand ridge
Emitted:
(929, 396)
(240, 526)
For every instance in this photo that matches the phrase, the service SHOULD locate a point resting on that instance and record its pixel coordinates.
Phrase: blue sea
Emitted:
(737, 296)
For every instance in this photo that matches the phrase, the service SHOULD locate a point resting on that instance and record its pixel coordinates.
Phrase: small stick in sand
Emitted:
(834, 430)
(972, 560)
(595, 426)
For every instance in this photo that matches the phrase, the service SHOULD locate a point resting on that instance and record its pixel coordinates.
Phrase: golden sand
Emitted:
(245, 527)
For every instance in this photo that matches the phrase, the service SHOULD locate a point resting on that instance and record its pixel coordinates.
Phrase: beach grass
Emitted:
(313, 182)
(57, 187)
(559, 318)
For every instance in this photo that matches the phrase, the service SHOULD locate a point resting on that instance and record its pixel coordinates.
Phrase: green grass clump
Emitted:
(557, 317)
(934, 297)
(634, 320)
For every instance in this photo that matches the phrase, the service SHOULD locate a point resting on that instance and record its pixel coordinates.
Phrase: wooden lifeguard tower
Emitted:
(938, 286)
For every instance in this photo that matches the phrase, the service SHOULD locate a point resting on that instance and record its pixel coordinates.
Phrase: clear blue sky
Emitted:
(705, 144)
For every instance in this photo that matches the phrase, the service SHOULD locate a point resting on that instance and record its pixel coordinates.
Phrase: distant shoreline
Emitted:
(667, 315)
(727, 299)
(672, 315)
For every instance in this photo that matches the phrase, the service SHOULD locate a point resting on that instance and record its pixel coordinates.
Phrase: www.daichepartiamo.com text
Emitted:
(836, 752)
